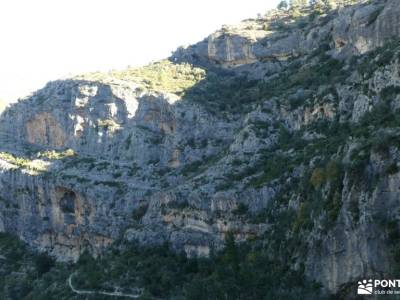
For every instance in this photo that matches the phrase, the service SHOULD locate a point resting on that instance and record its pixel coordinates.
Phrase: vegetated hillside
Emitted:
(262, 162)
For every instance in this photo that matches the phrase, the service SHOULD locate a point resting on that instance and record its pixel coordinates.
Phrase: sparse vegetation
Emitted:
(56, 155)
(241, 209)
(107, 124)
(139, 212)
(164, 76)
(317, 177)
(24, 163)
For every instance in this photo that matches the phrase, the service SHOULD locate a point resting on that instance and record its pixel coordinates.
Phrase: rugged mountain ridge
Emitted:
(281, 130)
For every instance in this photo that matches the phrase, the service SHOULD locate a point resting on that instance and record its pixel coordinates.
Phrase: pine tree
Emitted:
(231, 256)
(283, 5)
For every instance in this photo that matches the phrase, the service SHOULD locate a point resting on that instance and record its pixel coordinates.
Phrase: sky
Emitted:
(44, 40)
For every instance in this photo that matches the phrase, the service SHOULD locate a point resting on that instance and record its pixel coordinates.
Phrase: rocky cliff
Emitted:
(280, 130)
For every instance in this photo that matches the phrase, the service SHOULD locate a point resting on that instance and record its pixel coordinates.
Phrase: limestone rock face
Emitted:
(354, 30)
(349, 252)
(365, 28)
(43, 129)
(289, 139)
(53, 217)
(84, 201)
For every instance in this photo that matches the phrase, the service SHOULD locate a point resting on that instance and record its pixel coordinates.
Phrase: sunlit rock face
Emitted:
(120, 136)
(43, 129)
(352, 30)
(274, 136)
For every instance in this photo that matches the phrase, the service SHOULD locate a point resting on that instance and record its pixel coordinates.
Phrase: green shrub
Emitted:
(318, 177)
(385, 57)
(393, 232)
(392, 169)
(380, 142)
(139, 212)
(43, 263)
(333, 170)
(191, 168)
(241, 209)
(390, 92)
(303, 220)
(360, 158)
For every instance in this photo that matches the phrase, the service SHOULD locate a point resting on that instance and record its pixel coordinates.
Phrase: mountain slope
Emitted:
(281, 133)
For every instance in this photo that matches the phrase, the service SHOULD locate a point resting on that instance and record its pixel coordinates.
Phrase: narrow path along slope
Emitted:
(112, 294)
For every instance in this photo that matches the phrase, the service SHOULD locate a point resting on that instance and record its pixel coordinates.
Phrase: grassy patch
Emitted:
(56, 155)
(163, 76)
(24, 163)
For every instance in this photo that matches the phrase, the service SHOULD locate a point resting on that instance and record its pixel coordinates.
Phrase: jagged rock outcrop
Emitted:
(284, 134)
(352, 30)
